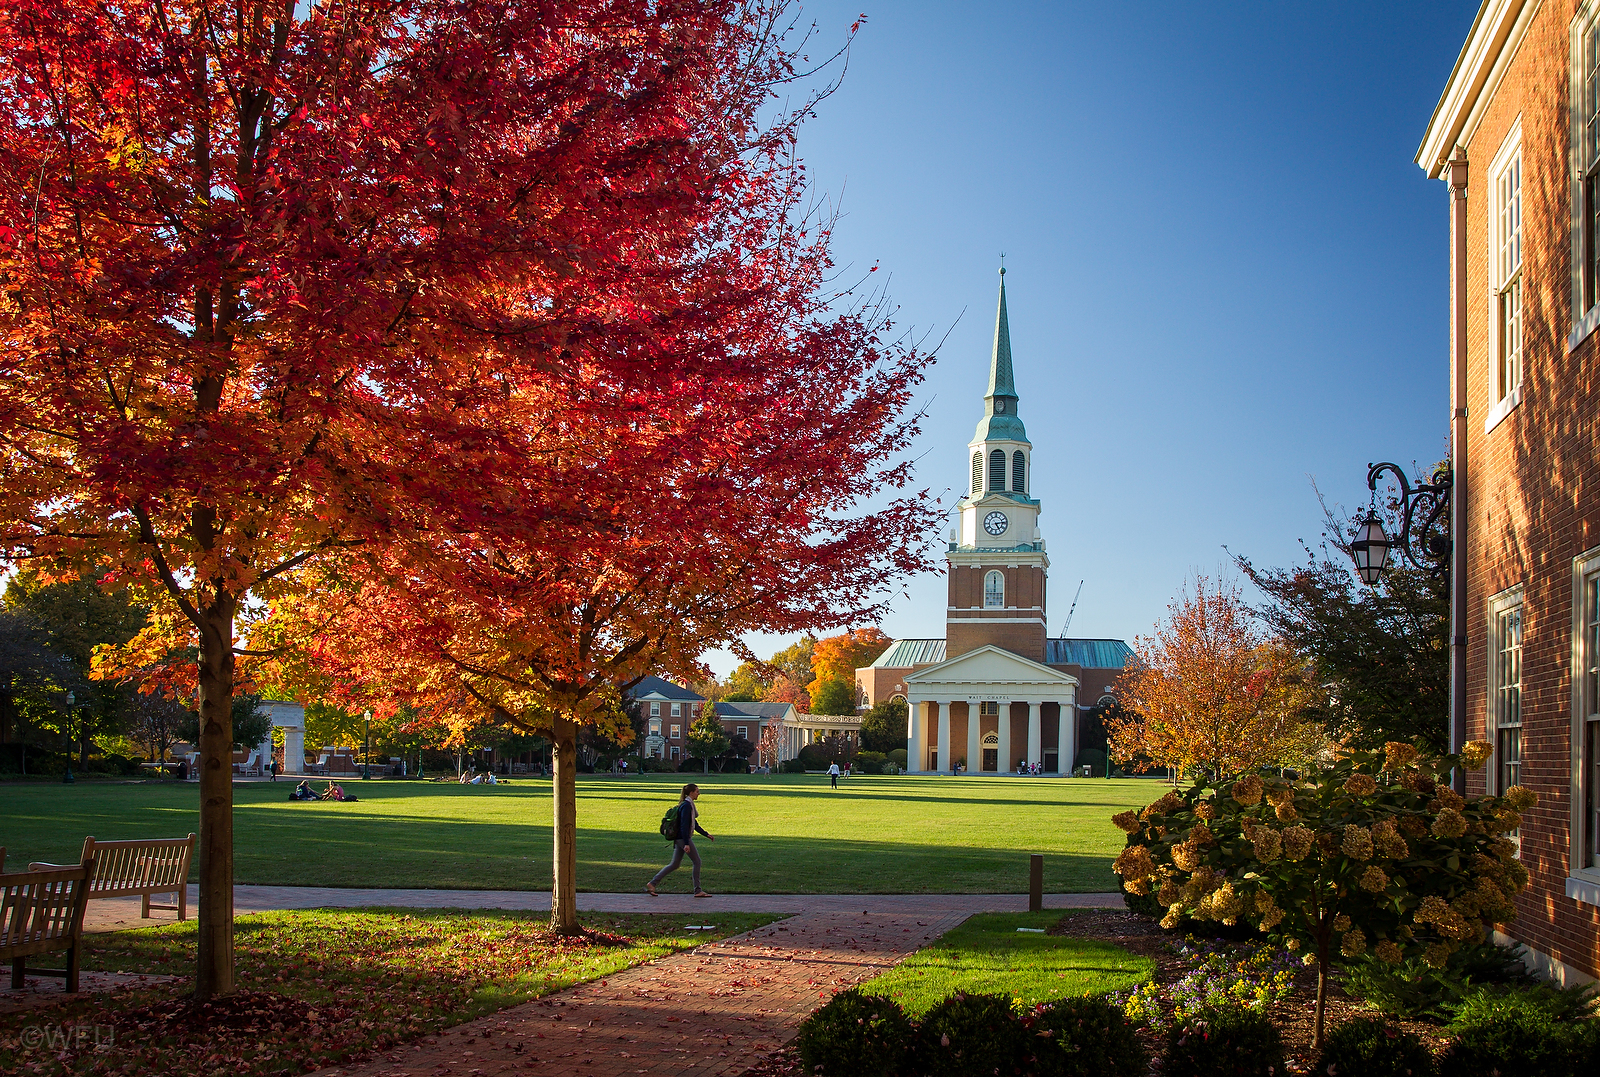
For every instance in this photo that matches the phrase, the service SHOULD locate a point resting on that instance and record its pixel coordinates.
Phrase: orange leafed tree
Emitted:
(836, 658)
(1208, 689)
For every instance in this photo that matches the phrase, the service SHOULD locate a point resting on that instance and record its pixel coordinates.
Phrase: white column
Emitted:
(974, 738)
(1067, 736)
(947, 755)
(1035, 734)
(1006, 763)
(294, 750)
(916, 737)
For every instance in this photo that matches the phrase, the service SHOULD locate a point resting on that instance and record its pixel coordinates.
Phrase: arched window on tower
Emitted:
(1019, 472)
(994, 591)
(997, 470)
(977, 472)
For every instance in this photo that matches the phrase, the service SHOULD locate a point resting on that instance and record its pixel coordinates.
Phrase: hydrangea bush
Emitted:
(1372, 853)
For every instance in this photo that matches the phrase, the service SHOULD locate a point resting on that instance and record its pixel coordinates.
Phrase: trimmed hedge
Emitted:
(970, 1034)
(1224, 1042)
(1372, 1047)
(1084, 1037)
(1523, 1032)
(855, 1034)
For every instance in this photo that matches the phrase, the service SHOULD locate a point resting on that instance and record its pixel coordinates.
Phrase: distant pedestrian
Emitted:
(833, 775)
(688, 825)
(272, 771)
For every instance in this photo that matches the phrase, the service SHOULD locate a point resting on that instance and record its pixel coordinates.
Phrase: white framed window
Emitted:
(674, 751)
(655, 727)
(1586, 725)
(994, 590)
(677, 710)
(1584, 105)
(743, 731)
(989, 707)
(677, 732)
(655, 710)
(1505, 688)
(1505, 276)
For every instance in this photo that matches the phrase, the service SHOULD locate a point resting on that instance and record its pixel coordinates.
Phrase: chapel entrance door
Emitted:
(991, 759)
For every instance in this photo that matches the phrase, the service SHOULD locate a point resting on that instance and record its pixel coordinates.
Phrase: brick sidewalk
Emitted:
(707, 1012)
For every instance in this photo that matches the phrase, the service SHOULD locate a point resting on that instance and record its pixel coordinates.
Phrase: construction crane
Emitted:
(1068, 622)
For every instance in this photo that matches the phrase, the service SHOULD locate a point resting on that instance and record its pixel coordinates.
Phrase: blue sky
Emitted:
(1226, 276)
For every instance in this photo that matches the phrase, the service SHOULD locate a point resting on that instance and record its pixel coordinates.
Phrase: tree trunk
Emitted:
(1322, 990)
(214, 970)
(564, 790)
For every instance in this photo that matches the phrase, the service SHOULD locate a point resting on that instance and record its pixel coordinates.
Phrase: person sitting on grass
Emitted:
(303, 791)
(336, 792)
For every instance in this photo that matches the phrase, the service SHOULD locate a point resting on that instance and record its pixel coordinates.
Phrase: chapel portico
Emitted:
(990, 708)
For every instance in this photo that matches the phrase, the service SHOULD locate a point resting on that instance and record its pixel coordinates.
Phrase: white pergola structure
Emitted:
(982, 694)
(801, 729)
(291, 718)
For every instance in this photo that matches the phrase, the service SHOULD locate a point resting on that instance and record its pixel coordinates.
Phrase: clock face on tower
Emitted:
(995, 523)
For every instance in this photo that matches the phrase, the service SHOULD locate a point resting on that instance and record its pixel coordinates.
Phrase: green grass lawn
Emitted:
(317, 987)
(988, 955)
(778, 834)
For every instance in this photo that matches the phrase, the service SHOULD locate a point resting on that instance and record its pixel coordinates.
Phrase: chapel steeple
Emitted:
(996, 555)
(1000, 421)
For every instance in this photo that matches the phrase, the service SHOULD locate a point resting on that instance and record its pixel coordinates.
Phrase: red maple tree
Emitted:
(281, 281)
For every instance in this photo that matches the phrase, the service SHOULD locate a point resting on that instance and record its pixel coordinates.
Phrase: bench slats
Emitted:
(42, 912)
(139, 868)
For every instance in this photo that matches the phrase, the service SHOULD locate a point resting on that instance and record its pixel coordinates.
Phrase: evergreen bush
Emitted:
(869, 762)
(898, 757)
(855, 1033)
(791, 766)
(1412, 989)
(971, 1034)
(1225, 1041)
(1084, 1037)
(1372, 1047)
(1521, 1031)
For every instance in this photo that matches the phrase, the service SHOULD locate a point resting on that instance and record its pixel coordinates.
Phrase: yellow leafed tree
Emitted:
(1208, 689)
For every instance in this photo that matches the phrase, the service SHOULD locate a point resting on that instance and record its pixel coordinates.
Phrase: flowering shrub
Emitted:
(1372, 853)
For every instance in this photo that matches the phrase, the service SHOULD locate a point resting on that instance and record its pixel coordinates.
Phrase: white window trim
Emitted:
(1583, 883)
(677, 732)
(1584, 321)
(677, 710)
(987, 576)
(1499, 604)
(1510, 149)
(655, 710)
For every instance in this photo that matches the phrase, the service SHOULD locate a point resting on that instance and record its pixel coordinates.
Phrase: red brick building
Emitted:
(995, 693)
(1516, 137)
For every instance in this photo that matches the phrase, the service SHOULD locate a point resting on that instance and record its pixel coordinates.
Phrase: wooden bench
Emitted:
(42, 912)
(126, 868)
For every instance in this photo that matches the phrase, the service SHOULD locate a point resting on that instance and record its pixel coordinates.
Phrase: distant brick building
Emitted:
(995, 692)
(1516, 136)
(670, 709)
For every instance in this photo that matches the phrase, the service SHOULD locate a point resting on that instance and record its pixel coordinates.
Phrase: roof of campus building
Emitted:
(1088, 653)
(661, 688)
(905, 653)
(752, 710)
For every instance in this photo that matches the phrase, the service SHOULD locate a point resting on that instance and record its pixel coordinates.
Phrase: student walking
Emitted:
(833, 775)
(688, 824)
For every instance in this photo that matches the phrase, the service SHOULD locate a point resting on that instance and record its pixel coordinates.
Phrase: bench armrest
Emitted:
(38, 865)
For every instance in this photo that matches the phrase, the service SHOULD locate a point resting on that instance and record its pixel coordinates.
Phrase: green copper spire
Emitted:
(1000, 421)
(1000, 380)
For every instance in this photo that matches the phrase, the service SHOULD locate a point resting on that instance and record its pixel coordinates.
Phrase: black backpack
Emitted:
(669, 822)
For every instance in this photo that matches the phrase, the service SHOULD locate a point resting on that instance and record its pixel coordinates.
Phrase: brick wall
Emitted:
(1532, 482)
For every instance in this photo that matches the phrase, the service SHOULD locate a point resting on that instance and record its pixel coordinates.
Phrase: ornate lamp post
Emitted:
(366, 747)
(1419, 541)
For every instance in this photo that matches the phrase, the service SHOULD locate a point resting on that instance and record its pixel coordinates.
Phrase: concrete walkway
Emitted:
(115, 914)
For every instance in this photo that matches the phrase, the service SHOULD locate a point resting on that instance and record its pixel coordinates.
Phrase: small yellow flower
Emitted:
(1354, 943)
(1127, 821)
(1389, 951)
(1397, 754)
(1475, 753)
(1449, 823)
(1357, 844)
(1374, 879)
(1297, 842)
(1248, 790)
(1521, 798)
(1360, 785)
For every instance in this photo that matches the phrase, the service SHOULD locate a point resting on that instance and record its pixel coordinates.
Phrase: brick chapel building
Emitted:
(1516, 137)
(995, 692)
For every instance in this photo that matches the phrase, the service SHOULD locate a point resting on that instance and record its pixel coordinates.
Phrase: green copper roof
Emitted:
(1000, 421)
